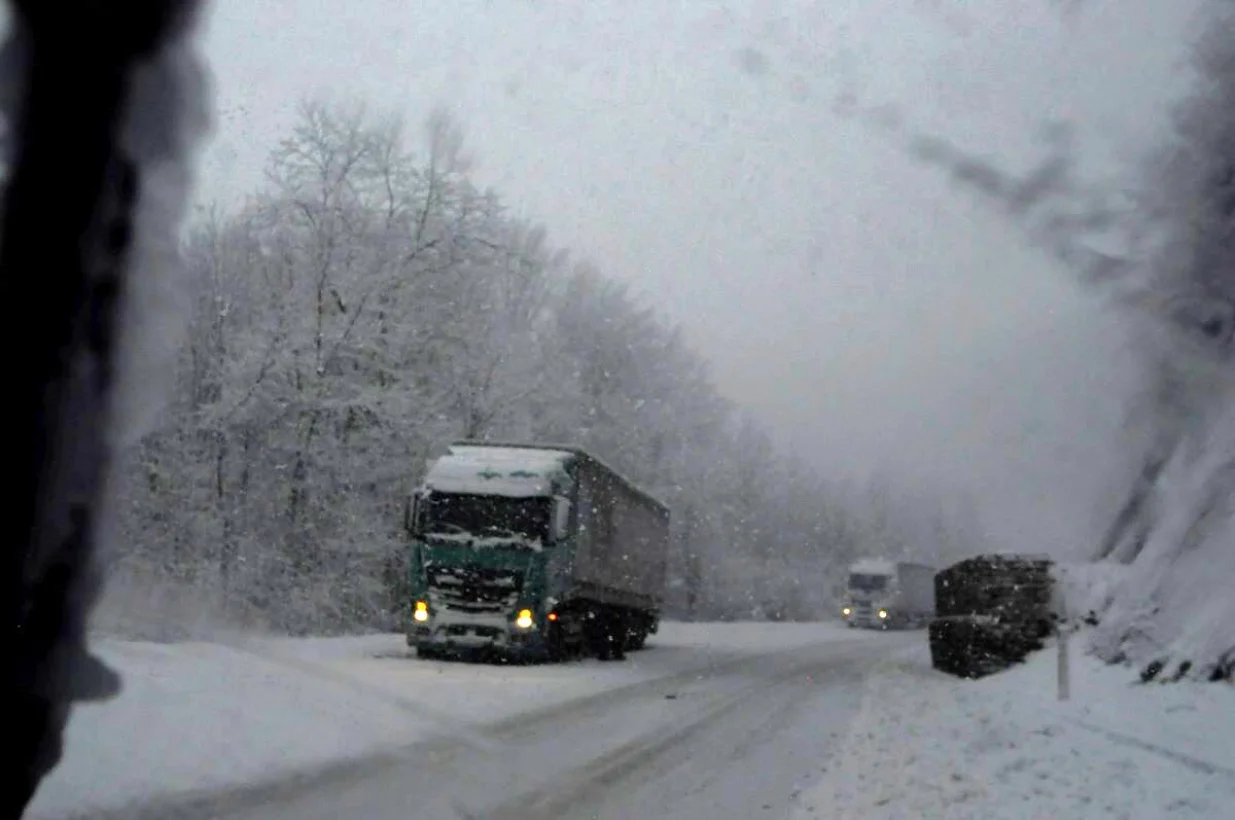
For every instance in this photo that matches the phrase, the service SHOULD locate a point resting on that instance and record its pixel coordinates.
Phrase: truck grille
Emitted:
(864, 613)
(474, 589)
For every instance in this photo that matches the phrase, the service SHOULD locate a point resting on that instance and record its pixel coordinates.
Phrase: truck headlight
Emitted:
(421, 614)
(883, 613)
(524, 619)
(846, 611)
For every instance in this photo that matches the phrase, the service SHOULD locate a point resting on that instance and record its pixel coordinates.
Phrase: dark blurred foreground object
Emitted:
(65, 251)
(990, 612)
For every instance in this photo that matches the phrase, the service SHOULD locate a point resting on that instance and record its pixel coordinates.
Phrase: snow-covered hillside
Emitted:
(1176, 530)
(1174, 603)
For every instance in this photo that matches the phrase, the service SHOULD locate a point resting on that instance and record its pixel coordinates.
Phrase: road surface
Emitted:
(738, 740)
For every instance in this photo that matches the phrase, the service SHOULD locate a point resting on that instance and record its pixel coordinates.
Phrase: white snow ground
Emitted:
(200, 716)
(926, 745)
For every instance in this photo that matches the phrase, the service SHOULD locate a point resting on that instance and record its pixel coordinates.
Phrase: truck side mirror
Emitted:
(411, 514)
(561, 518)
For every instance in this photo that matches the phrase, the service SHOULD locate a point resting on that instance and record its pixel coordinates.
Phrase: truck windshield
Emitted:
(867, 583)
(485, 516)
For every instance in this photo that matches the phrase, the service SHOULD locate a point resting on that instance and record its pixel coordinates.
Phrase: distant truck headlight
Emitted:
(846, 611)
(422, 612)
(883, 613)
(524, 619)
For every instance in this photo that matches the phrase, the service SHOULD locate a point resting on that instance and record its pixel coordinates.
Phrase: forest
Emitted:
(372, 304)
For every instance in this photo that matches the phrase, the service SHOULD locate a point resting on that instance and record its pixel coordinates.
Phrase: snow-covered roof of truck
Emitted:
(873, 566)
(516, 470)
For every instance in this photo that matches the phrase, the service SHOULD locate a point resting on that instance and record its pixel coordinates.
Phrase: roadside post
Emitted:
(1063, 684)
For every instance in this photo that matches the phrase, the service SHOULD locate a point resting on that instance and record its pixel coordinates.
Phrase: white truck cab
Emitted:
(881, 594)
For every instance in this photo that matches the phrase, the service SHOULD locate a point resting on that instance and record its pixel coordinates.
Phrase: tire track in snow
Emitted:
(774, 697)
(1194, 763)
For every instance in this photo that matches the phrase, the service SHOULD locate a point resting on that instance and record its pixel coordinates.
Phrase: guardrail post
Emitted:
(1063, 683)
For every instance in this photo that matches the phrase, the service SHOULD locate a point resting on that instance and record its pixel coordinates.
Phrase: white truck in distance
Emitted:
(884, 594)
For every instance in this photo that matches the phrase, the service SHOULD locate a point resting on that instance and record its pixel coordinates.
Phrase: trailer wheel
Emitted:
(617, 643)
(602, 647)
(607, 634)
(555, 644)
(594, 642)
(638, 627)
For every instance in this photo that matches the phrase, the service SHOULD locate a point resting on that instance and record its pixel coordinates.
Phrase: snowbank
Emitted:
(200, 716)
(926, 745)
(1088, 587)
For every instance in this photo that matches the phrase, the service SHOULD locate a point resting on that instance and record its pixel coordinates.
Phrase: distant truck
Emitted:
(889, 594)
(533, 550)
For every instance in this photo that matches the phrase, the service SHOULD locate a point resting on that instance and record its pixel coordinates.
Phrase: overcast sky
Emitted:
(871, 314)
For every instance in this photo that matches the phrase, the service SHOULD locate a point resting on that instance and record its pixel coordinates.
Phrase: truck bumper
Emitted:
(895, 620)
(864, 618)
(472, 638)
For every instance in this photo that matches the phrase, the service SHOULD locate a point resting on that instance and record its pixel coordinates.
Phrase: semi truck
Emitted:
(533, 550)
(884, 594)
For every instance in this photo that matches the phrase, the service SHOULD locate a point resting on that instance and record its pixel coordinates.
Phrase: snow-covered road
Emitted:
(738, 741)
(252, 718)
(717, 721)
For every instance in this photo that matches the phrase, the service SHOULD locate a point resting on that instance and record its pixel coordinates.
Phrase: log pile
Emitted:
(990, 612)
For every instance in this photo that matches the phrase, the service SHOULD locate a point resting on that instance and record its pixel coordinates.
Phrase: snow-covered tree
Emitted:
(369, 305)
